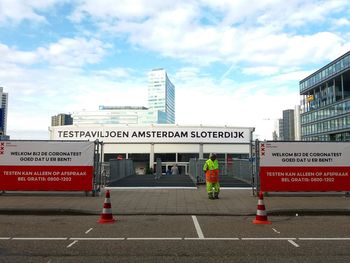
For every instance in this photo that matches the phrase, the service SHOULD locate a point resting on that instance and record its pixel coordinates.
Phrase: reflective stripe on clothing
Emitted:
(212, 187)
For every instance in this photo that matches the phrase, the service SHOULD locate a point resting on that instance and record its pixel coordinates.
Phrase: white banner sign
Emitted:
(304, 154)
(46, 153)
(153, 134)
(304, 166)
(46, 166)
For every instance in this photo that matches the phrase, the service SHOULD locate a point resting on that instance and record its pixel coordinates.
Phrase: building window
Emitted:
(165, 157)
(185, 157)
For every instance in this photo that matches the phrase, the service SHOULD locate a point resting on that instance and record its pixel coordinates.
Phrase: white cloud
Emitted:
(249, 32)
(12, 55)
(74, 52)
(18, 10)
(116, 73)
(121, 9)
(67, 52)
(341, 22)
(260, 71)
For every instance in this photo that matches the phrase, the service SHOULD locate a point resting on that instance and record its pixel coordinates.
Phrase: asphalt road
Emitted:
(174, 239)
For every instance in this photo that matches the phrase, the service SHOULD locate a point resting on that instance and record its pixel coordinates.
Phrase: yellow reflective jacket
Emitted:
(211, 169)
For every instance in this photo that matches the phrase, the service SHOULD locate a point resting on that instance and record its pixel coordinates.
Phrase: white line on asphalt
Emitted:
(87, 231)
(71, 244)
(293, 243)
(154, 238)
(268, 238)
(236, 188)
(325, 238)
(200, 237)
(276, 231)
(198, 227)
(151, 188)
(97, 238)
(40, 238)
(212, 238)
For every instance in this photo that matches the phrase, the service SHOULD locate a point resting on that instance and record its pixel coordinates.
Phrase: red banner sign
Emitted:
(46, 166)
(304, 166)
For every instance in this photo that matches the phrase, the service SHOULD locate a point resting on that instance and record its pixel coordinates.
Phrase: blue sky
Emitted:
(233, 62)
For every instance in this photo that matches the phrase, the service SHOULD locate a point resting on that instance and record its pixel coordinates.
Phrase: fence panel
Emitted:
(237, 168)
(119, 169)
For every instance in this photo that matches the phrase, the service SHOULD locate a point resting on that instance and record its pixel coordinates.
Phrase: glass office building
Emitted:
(3, 111)
(111, 115)
(325, 102)
(161, 97)
(61, 119)
(160, 110)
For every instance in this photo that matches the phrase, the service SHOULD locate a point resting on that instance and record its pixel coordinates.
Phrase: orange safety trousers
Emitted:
(212, 176)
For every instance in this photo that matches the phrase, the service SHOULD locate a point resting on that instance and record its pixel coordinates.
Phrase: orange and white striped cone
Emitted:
(107, 216)
(261, 216)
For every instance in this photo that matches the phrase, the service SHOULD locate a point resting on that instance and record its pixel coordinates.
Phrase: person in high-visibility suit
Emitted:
(211, 169)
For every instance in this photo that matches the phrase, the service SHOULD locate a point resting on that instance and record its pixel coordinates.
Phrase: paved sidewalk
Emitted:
(170, 202)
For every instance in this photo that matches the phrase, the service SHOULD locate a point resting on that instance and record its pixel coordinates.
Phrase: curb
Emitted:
(310, 212)
(76, 212)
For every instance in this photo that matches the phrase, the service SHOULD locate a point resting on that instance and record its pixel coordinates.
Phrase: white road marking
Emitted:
(198, 227)
(211, 238)
(87, 231)
(293, 243)
(276, 231)
(71, 244)
(152, 188)
(199, 232)
(236, 188)
(268, 238)
(97, 238)
(154, 238)
(325, 238)
(40, 238)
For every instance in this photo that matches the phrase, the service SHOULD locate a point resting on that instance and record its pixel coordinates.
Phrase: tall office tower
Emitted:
(325, 102)
(3, 111)
(161, 97)
(61, 119)
(288, 125)
(280, 130)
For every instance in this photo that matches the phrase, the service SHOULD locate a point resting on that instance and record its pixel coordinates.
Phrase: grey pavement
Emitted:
(240, 202)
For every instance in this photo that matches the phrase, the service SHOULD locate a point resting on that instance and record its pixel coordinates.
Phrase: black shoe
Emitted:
(216, 196)
(211, 197)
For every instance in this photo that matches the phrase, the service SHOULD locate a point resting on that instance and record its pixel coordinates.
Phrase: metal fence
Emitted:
(238, 168)
(195, 170)
(116, 170)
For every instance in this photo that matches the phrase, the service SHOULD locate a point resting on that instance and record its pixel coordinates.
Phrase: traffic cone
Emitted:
(261, 216)
(107, 216)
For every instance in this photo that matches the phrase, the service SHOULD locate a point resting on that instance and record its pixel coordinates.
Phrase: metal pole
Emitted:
(257, 165)
(151, 157)
(201, 151)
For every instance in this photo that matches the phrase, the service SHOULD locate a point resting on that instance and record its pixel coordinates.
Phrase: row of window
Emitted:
(326, 126)
(325, 73)
(340, 137)
(334, 110)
